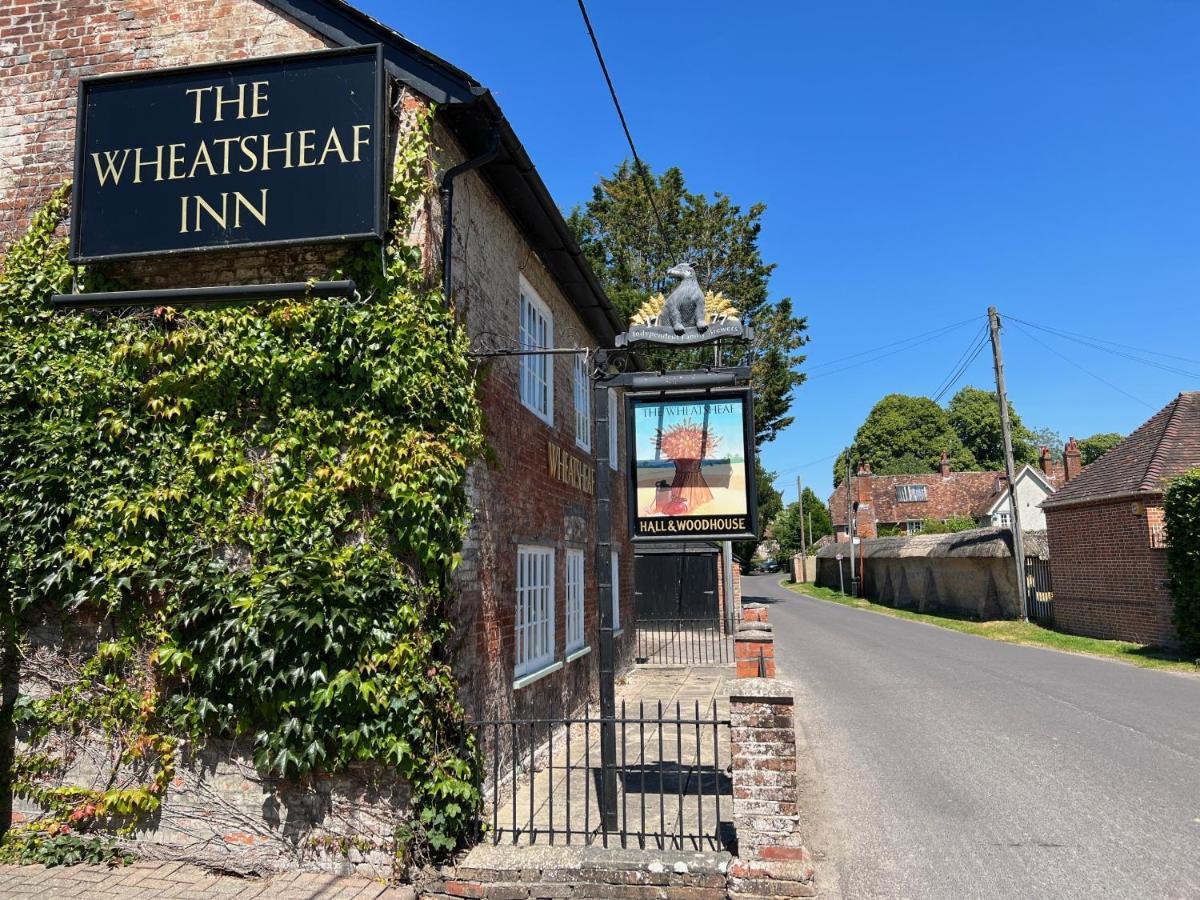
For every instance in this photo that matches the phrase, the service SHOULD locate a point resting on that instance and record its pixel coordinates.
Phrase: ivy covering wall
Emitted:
(262, 504)
(1181, 512)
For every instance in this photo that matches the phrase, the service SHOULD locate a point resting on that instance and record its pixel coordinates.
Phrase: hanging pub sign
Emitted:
(691, 465)
(281, 150)
(687, 317)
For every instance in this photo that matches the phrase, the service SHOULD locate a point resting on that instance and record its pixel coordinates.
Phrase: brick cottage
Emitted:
(525, 605)
(1108, 556)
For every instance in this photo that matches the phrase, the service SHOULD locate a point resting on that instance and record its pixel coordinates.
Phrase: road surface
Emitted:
(946, 765)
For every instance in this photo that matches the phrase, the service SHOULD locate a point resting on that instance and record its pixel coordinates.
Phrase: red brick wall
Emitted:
(1108, 581)
(516, 500)
(46, 45)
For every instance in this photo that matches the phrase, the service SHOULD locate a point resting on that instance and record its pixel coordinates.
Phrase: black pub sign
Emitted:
(286, 149)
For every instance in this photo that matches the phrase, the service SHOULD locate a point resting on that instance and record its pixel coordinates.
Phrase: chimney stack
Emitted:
(944, 465)
(1072, 460)
(865, 513)
(1046, 463)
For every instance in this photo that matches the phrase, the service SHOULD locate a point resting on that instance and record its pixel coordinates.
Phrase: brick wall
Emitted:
(516, 501)
(1109, 582)
(46, 46)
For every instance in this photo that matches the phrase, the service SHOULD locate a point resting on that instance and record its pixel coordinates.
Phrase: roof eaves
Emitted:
(1055, 502)
(525, 197)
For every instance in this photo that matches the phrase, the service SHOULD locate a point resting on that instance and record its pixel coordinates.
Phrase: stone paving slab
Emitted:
(671, 790)
(175, 881)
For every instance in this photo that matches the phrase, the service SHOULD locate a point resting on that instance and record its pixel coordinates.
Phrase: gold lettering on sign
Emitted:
(570, 469)
(246, 154)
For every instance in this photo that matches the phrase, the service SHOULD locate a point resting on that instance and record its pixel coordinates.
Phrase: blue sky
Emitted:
(920, 161)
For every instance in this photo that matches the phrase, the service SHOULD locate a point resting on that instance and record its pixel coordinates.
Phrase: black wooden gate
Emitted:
(678, 612)
(676, 585)
(1040, 589)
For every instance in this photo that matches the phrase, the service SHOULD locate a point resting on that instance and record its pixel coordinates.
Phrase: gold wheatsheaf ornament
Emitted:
(717, 307)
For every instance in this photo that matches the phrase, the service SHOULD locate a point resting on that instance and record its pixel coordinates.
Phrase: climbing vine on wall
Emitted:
(267, 499)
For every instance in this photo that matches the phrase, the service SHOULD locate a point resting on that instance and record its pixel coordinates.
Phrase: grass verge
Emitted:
(1017, 632)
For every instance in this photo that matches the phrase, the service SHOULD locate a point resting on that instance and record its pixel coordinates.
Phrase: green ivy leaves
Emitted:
(271, 496)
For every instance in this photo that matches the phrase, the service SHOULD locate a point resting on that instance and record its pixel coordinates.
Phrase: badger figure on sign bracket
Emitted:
(685, 306)
(690, 315)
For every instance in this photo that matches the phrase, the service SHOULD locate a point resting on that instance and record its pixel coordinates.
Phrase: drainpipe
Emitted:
(447, 192)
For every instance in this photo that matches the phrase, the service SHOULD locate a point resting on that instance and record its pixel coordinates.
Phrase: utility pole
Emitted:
(803, 540)
(1006, 428)
(850, 523)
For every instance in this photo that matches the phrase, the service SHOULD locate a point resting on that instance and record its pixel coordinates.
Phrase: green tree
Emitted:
(620, 237)
(786, 526)
(904, 432)
(1094, 447)
(770, 502)
(975, 417)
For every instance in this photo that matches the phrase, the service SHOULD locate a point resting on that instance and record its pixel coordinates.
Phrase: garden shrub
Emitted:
(1181, 512)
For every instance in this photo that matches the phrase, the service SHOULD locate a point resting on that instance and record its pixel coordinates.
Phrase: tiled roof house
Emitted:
(1105, 529)
(904, 501)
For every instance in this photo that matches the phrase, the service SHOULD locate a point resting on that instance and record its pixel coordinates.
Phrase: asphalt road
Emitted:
(945, 765)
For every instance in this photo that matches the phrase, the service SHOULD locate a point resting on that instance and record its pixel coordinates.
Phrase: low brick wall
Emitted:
(969, 574)
(597, 873)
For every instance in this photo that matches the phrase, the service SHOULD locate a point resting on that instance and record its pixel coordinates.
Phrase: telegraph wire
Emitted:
(1072, 362)
(1094, 345)
(961, 365)
(897, 347)
(935, 332)
(637, 160)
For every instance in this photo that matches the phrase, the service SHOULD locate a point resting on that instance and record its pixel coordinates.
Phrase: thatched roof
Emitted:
(986, 543)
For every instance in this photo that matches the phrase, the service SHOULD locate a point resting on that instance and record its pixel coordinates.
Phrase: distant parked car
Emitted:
(769, 566)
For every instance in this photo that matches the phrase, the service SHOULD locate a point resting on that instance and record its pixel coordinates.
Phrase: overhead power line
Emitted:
(974, 348)
(888, 350)
(1124, 353)
(637, 160)
(1083, 369)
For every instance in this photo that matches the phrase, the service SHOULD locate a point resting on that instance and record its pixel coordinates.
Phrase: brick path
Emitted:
(175, 881)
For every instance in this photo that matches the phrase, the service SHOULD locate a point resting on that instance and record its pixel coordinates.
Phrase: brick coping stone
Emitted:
(759, 690)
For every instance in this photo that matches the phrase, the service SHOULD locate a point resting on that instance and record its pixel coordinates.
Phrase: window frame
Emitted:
(525, 663)
(575, 599)
(910, 530)
(535, 372)
(909, 490)
(583, 403)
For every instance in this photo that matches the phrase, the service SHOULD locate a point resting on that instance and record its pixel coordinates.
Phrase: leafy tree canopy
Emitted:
(786, 526)
(1094, 447)
(975, 418)
(904, 432)
(770, 502)
(621, 239)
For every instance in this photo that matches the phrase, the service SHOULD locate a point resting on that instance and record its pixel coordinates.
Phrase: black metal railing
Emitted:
(684, 642)
(672, 787)
(1040, 589)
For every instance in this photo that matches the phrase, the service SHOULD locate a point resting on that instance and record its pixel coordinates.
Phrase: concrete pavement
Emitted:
(950, 766)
